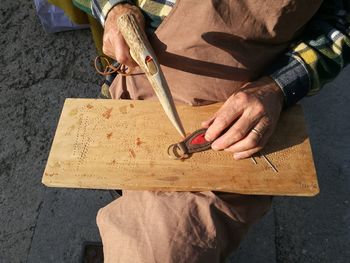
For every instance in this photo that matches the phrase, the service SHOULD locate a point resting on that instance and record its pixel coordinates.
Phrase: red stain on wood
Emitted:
(109, 135)
(113, 162)
(107, 114)
(138, 142)
(132, 153)
(132, 106)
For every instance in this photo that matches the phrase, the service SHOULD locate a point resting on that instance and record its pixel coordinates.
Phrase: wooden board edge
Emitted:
(310, 193)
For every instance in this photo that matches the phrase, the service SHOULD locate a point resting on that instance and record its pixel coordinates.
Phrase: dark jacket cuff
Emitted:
(291, 74)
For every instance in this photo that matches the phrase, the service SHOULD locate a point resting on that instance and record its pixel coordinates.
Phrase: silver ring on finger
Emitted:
(257, 132)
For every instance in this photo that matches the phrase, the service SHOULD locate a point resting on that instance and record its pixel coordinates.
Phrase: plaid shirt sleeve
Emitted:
(321, 53)
(154, 10)
(100, 8)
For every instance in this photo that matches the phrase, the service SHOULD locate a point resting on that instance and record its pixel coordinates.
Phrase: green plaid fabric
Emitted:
(319, 55)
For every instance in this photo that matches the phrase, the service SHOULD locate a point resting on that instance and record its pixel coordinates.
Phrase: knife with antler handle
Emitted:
(143, 54)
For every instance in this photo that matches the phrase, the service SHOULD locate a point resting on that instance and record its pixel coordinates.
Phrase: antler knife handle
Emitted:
(142, 52)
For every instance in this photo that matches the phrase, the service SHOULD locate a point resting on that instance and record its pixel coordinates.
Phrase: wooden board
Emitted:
(122, 144)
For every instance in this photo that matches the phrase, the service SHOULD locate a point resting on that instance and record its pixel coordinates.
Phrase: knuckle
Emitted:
(237, 134)
(121, 58)
(222, 121)
(267, 122)
(229, 149)
(260, 109)
(252, 142)
(105, 50)
(242, 97)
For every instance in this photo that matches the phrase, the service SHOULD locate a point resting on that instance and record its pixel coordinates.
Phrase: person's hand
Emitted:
(114, 44)
(248, 118)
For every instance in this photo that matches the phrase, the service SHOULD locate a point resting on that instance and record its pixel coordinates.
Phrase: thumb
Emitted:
(122, 53)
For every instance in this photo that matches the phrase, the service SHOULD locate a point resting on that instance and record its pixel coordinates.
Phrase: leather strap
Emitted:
(195, 142)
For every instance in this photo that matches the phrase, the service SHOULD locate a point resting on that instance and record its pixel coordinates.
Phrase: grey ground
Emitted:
(37, 224)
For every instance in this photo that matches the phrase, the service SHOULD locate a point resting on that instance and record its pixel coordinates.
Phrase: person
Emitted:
(258, 57)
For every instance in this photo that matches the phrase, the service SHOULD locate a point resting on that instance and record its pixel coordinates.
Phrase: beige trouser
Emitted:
(145, 226)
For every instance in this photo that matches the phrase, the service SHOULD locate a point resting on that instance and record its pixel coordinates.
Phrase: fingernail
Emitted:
(214, 147)
(207, 137)
(237, 156)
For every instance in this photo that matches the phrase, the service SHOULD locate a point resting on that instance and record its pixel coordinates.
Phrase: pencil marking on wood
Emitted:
(114, 162)
(132, 153)
(70, 130)
(304, 185)
(50, 174)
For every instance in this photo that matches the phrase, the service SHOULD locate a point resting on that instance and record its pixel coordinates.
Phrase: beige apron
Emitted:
(208, 50)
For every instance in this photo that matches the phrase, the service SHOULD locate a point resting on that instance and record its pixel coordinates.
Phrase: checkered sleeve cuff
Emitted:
(100, 8)
(291, 74)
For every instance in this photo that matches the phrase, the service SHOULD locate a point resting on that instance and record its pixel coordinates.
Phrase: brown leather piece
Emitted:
(188, 148)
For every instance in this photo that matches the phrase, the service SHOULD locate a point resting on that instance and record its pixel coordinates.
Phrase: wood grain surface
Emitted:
(122, 144)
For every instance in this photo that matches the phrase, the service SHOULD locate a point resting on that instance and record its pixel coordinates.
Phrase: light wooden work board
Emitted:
(122, 144)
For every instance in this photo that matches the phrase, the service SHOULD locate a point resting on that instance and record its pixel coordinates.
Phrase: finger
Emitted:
(246, 154)
(107, 48)
(225, 117)
(207, 123)
(252, 140)
(115, 47)
(122, 53)
(237, 132)
(220, 123)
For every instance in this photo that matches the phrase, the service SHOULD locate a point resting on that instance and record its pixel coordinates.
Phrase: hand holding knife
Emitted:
(142, 52)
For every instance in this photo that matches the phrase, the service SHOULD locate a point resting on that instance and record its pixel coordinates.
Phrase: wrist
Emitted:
(121, 9)
(115, 3)
(118, 10)
(292, 76)
(276, 89)
(267, 85)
